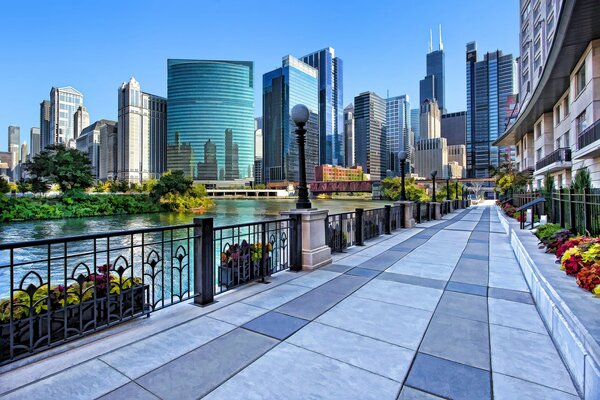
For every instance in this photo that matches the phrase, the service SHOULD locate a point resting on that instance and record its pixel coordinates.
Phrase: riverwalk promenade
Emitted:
(437, 311)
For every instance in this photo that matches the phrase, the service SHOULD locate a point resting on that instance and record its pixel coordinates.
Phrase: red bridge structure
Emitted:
(347, 187)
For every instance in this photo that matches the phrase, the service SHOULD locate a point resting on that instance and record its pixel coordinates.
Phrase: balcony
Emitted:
(557, 160)
(588, 144)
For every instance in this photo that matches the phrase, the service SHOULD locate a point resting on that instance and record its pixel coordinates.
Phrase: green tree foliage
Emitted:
(66, 167)
(582, 180)
(4, 186)
(547, 191)
(172, 182)
(508, 178)
(392, 187)
(24, 186)
(440, 190)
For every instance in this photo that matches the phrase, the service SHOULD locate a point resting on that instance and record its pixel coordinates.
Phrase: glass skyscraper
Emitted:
(433, 86)
(399, 134)
(294, 83)
(64, 102)
(370, 134)
(331, 105)
(490, 82)
(210, 108)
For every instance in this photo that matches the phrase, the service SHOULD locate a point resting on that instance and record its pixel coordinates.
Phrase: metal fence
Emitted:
(340, 231)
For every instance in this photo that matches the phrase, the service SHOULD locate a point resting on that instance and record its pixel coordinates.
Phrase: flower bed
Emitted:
(39, 316)
(578, 256)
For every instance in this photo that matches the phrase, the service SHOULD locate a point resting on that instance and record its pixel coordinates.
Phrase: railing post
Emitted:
(587, 209)
(388, 220)
(263, 258)
(296, 242)
(418, 205)
(561, 208)
(572, 210)
(359, 227)
(204, 265)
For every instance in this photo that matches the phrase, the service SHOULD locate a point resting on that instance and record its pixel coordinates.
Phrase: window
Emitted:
(517, 150)
(538, 153)
(581, 122)
(557, 144)
(566, 106)
(580, 80)
(557, 115)
(538, 130)
(566, 141)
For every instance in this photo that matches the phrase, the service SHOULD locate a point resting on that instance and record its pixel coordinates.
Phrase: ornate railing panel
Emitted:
(373, 223)
(340, 231)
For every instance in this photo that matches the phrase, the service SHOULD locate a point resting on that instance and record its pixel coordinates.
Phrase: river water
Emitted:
(225, 212)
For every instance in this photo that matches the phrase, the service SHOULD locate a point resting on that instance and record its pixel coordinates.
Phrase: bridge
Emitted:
(246, 193)
(374, 186)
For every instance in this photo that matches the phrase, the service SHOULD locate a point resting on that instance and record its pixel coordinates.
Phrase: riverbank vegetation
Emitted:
(69, 171)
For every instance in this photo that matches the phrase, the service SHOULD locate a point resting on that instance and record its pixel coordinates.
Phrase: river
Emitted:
(225, 212)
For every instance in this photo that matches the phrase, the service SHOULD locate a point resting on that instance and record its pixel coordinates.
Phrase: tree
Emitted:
(391, 188)
(171, 182)
(547, 191)
(509, 178)
(4, 185)
(582, 180)
(24, 186)
(68, 168)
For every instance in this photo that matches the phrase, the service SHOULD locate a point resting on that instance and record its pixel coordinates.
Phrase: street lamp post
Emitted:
(300, 115)
(448, 184)
(456, 189)
(402, 157)
(433, 174)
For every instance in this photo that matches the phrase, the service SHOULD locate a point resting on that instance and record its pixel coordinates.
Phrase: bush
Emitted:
(545, 232)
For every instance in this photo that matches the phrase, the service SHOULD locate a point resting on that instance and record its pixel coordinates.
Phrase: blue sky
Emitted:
(95, 45)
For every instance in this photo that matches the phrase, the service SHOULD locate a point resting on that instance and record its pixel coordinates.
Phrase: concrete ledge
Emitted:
(569, 312)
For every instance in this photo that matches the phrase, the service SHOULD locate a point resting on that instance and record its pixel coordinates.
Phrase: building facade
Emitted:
(430, 126)
(107, 168)
(64, 102)
(370, 134)
(433, 86)
(398, 131)
(415, 122)
(81, 120)
(207, 99)
(431, 155)
(34, 142)
(294, 83)
(331, 105)
(141, 134)
(454, 128)
(490, 84)
(457, 153)
(45, 135)
(258, 150)
(88, 142)
(14, 145)
(330, 173)
(349, 134)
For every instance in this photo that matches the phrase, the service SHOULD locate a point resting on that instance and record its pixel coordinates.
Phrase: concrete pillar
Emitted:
(407, 218)
(315, 251)
(437, 210)
(450, 205)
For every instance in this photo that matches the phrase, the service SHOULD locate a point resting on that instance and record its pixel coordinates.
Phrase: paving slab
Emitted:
(276, 325)
(312, 304)
(403, 294)
(273, 298)
(409, 393)
(463, 305)
(336, 268)
(400, 325)
(467, 288)
(367, 273)
(474, 272)
(422, 269)
(528, 356)
(295, 373)
(202, 370)
(131, 391)
(515, 315)
(509, 388)
(345, 284)
(449, 379)
(458, 339)
(511, 295)
(382, 261)
(237, 313)
(372, 355)
(413, 280)
(315, 278)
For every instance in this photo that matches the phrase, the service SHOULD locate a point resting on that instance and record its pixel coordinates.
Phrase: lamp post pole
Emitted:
(433, 174)
(448, 184)
(402, 156)
(456, 189)
(300, 115)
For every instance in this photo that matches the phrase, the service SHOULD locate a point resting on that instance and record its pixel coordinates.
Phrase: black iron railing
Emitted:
(559, 155)
(589, 135)
(340, 231)
(373, 223)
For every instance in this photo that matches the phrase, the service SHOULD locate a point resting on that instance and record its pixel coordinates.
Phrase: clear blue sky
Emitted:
(95, 45)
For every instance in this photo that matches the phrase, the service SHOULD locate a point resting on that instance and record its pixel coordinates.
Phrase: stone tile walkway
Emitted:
(440, 311)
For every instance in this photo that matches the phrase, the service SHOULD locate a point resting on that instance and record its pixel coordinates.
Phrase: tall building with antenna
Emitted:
(433, 86)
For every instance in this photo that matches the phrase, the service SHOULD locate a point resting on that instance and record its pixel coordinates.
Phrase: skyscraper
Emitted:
(349, 134)
(490, 83)
(258, 150)
(433, 86)
(430, 125)
(88, 142)
(14, 145)
(45, 135)
(64, 102)
(107, 168)
(294, 83)
(34, 141)
(399, 134)
(454, 128)
(205, 98)
(370, 134)
(24, 152)
(331, 105)
(141, 133)
(415, 122)
(81, 120)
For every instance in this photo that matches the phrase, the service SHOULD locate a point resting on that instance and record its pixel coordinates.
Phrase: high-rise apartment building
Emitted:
(433, 86)
(454, 128)
(64, 102)
(370, 134)
(258, 150)
(34, 142)
(430, 116)
(24, 152)
(45, 131)
(14, 143)
(206, 100)
(490, 83)
(81, 120)
(349, 134)
(398, 131)
(294, 83)
(141, 133)
(331, 105)
(107, 168)
(538, 20)
(88, 142)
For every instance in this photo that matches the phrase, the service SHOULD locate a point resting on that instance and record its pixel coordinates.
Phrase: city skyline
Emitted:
(368, 64)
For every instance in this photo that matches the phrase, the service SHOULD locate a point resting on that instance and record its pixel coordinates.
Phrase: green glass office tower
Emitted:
(211, 108)
(294, 83)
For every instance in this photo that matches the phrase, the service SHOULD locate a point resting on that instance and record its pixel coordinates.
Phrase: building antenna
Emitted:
(430, 41)
(441, 44)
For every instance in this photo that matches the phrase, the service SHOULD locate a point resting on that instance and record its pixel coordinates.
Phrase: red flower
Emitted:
(589, 277)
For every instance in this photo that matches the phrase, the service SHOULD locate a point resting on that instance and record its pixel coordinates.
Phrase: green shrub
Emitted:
(545, 232)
